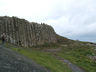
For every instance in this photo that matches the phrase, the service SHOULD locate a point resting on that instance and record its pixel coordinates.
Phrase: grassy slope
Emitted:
(78, 54)
(71, 50)
(43, 58)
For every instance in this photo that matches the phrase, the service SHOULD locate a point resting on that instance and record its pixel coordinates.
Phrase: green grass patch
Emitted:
(44, 59)
(78, 54)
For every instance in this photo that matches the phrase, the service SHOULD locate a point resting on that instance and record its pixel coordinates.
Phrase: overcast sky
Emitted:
(75, 19)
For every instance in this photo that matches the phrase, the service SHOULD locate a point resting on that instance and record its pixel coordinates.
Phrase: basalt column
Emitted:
(27, 34)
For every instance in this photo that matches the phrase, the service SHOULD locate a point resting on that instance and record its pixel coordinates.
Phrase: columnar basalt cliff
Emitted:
(27, 34)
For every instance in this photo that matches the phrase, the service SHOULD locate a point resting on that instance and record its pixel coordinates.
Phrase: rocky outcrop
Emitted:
(11, 61)
(27, 34)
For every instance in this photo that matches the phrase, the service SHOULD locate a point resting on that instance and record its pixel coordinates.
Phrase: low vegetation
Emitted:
(79, 55)
(75, 51)
(43, 58)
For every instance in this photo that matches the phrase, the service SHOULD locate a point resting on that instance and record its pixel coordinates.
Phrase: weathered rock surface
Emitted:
(24, 33)
(13, 62)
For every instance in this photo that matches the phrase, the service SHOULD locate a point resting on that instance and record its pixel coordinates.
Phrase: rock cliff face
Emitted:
(24, 33)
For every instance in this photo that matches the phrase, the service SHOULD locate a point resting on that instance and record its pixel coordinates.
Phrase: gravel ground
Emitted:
(13, 62)
(73, 66)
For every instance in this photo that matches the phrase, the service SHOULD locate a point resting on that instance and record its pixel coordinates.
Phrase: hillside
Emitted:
(64, 56)
(40, 43)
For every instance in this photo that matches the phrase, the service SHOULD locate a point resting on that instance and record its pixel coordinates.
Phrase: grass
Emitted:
(78, 54)
(44, 59)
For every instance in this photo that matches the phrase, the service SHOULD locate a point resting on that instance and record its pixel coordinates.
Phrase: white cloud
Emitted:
(29, 9)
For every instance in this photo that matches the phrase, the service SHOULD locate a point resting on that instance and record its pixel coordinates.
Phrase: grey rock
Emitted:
(27, 34)
(9, 62)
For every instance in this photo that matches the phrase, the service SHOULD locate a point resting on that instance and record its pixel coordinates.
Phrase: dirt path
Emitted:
(13, 62)
(73, 67)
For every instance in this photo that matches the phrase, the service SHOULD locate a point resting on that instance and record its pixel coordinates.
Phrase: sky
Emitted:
(74, 19)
